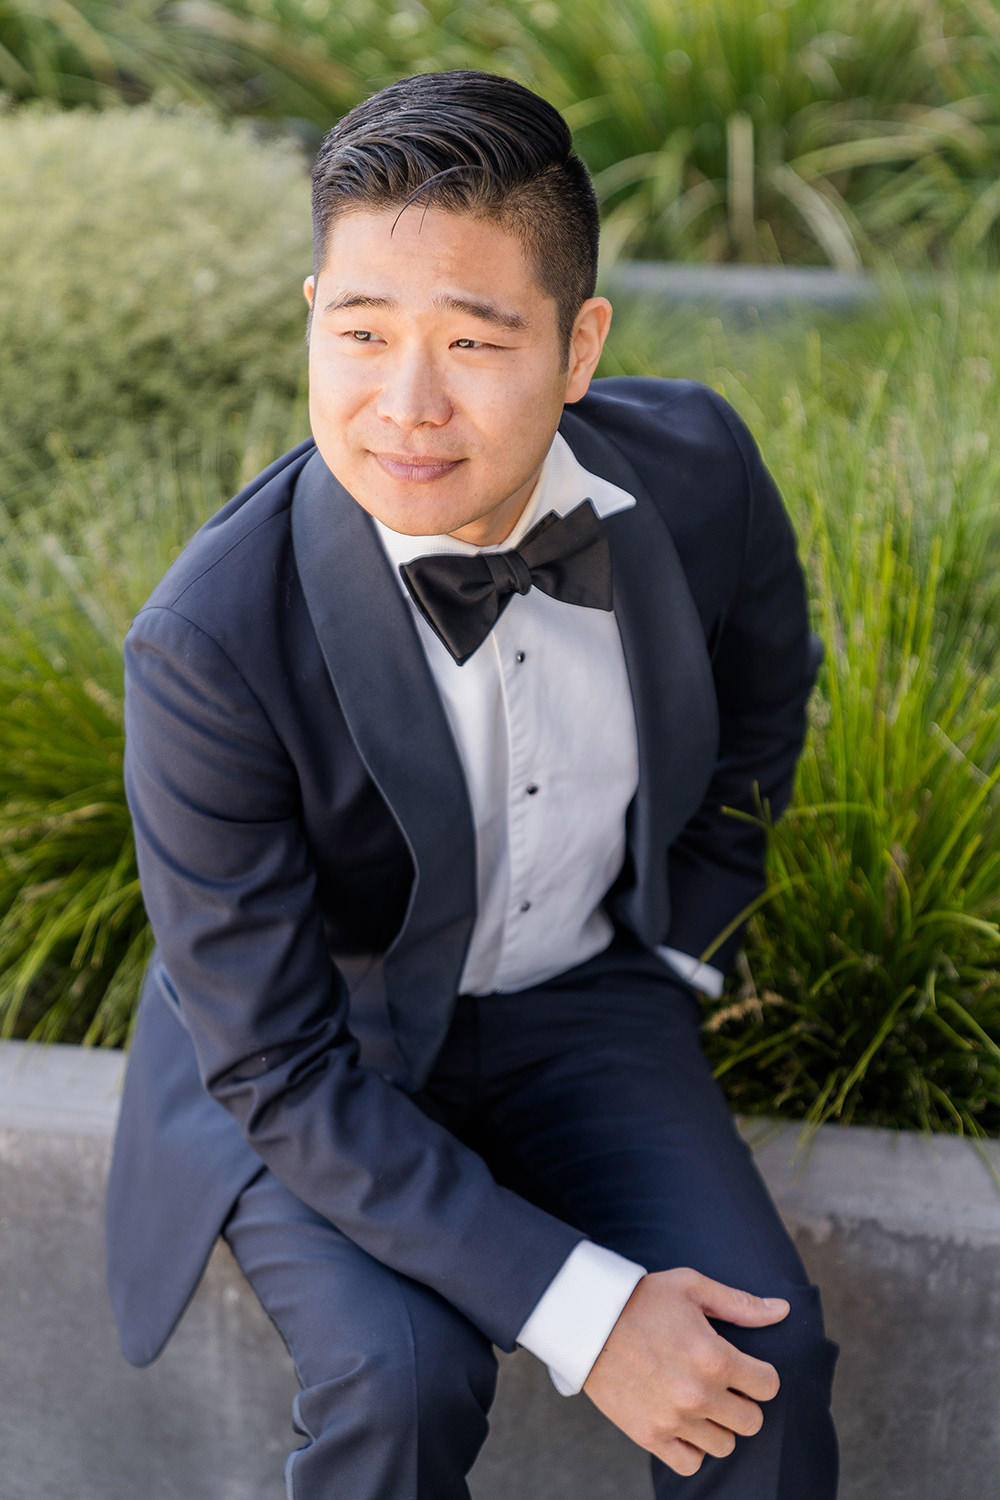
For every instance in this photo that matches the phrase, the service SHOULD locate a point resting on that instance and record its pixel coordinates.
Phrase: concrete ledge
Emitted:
(741, 287)
(902, 1233)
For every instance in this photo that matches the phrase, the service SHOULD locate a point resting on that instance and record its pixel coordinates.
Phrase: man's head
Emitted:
(451, 315)
(468, 143)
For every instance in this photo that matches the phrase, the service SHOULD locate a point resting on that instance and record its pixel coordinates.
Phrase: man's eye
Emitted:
(361, 335)
(470, 344)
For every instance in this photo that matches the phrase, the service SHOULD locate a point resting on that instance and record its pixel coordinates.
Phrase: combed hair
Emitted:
(469, 143)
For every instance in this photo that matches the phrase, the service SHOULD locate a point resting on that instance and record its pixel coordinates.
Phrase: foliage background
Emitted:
(816, 130)
(152, 357)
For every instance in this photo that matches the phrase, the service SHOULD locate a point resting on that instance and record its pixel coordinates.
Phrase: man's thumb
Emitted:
(731, 1305)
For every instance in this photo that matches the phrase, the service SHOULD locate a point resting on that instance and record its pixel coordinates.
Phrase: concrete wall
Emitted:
(902, 1233)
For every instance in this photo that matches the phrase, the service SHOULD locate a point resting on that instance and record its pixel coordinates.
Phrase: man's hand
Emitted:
(673, 1384)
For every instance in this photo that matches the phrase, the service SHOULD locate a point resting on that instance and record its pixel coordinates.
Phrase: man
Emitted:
(431, 731)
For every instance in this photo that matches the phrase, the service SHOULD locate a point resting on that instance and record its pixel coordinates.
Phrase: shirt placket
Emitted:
(519, 681)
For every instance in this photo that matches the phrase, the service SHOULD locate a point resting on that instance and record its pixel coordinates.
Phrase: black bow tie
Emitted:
(461, 598)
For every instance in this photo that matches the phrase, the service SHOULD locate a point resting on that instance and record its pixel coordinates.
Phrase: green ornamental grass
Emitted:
(93, 52)
(870, 987)
(75, 568)
(824, 131)
(821, 131)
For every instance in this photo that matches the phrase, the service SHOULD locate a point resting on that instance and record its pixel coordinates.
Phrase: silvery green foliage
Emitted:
(153, 265)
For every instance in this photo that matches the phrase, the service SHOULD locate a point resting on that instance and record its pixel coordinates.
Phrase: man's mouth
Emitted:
(414, 468)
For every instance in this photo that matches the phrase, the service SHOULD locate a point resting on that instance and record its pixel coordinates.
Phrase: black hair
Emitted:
(469, 143)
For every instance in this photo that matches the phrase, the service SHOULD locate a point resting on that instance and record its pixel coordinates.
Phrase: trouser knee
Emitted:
(398, 1408)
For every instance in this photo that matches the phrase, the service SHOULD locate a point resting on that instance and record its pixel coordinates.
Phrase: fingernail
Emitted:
(774, 1302)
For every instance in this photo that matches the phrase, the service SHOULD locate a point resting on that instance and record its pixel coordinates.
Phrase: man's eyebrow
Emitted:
(485, 310)
(482, 308)
(359, 299)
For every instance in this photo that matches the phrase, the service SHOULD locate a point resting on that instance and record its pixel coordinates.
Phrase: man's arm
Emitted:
(764, 663)
(231, 893)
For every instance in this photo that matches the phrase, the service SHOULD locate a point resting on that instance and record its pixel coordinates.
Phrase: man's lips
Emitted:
(414, 468)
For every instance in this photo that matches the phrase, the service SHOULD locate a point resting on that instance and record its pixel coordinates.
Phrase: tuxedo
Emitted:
(308, 863)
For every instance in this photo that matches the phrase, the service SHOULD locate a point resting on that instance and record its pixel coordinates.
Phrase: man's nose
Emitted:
(414, 393)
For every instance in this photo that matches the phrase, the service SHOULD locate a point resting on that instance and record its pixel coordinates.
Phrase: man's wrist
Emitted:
(699, 976)
(571, 1321)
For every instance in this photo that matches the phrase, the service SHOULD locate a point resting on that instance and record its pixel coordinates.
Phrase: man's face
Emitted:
(437, 375)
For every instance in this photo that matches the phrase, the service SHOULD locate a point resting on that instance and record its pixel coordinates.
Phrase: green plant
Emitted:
(92, 52)
(870, 989)
(152, 269)
(73, 937)
(817, 130)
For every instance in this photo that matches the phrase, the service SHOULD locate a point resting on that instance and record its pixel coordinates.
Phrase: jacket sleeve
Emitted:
(764, 662)
(231, 895)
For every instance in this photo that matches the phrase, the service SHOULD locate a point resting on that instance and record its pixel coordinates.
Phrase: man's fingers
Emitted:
(752, 1377)
(683, 1458)
(739, 1415)
(710, 1438)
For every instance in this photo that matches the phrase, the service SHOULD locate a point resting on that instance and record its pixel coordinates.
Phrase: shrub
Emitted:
(152, 268)
(870, 989)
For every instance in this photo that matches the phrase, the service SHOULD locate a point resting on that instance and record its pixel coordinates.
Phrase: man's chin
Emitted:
(412, 514)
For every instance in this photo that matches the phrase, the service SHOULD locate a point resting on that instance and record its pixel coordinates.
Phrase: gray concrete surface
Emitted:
(902, 1233)
(739, 287)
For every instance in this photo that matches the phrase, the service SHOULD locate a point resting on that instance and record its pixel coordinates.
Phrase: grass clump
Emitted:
(94, 52)
(152, 268)
(870, 986)
(821, 131)
(73, 934)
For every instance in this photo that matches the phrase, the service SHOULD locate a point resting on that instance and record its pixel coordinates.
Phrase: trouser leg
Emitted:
(395, 1383)
(603, 1110)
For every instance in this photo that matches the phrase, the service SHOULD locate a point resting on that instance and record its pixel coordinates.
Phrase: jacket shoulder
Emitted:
(244, 539)
(671, 420)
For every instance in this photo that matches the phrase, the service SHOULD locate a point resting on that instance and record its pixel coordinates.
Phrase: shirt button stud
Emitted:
(519, 658)
(531, 790)
(525, 905)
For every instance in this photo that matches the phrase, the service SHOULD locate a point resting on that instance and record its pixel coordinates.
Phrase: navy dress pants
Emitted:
(590, 1095)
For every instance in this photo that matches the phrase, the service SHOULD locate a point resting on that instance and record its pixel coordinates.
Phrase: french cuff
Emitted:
(574, 1316)
(702, 976)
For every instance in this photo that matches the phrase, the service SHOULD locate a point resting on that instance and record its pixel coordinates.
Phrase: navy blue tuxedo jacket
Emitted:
(307, 854)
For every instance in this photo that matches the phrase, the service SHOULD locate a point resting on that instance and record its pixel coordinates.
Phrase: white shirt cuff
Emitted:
(702, 976)
(575, 1314)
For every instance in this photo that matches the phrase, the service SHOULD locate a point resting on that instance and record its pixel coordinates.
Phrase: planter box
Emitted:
(727, 286)
(902, 1233)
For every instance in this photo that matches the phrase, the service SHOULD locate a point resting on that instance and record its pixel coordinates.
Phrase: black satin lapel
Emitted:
(670, 675)
(399, 727)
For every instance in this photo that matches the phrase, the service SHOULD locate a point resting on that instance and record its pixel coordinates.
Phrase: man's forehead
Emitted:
(471, 255)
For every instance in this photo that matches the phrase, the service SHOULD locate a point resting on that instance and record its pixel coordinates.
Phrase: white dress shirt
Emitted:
(542, 718)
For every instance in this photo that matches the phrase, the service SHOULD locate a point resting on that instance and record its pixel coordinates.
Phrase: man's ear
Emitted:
(590, 329)
(309, 292)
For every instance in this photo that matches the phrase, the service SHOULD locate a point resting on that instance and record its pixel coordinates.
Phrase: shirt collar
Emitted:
(562, 485)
